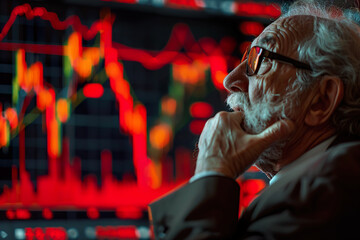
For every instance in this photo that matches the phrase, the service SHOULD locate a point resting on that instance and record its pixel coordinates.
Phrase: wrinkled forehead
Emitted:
(285, 34)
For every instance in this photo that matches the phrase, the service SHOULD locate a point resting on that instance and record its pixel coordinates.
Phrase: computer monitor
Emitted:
(102, 106)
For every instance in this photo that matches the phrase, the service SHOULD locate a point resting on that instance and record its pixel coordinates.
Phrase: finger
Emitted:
(239, 115)
(278, 131)
(236, 118)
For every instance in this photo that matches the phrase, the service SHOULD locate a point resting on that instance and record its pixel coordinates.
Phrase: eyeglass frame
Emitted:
(271, 55)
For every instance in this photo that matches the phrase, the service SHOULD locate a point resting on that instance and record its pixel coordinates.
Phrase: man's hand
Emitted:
(226, 148)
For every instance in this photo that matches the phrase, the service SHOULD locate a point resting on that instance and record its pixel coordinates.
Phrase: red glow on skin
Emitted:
(93, 90)
(201, 110)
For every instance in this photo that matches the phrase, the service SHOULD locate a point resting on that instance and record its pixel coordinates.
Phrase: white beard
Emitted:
(258, 115)
(257, 118)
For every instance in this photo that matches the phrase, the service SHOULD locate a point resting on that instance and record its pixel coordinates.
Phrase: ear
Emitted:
(328, 96)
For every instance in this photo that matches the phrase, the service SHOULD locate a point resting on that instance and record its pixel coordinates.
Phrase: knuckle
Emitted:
(222, 115)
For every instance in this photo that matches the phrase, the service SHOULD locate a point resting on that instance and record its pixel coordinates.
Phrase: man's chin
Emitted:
(269, 161)
(255, 125)
(267, 167)
(253, 129)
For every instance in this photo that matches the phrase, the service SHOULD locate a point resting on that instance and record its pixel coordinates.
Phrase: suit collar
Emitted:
(343, 138)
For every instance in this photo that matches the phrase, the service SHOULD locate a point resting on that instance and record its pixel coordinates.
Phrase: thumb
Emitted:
(278, 131)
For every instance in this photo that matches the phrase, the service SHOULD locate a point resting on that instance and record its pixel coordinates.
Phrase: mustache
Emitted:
(256, 115)
(238, 101)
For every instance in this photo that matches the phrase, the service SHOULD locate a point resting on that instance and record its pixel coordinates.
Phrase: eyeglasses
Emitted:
(255, 55)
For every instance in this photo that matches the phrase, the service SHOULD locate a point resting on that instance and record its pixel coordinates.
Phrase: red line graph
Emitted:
(53, 189)
(181, 37)
(73, 21)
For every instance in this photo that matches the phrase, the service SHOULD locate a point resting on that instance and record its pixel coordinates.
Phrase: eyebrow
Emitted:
(267, 40)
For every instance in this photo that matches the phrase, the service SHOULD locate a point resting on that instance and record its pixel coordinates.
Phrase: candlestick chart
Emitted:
(97, 119)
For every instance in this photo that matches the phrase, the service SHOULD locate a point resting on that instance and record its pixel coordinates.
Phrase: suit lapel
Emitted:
(274, 195)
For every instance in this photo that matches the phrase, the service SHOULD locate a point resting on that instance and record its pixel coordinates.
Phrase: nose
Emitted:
(236, 80)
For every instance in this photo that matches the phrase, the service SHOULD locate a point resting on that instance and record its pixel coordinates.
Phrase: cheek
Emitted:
(257, 87)
(253, 91)
(283, 80)
(275, 81)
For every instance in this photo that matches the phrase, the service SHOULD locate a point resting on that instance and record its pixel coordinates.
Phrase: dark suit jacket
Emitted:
(323, 203)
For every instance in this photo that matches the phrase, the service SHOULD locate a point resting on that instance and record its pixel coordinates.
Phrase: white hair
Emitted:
(333, 49)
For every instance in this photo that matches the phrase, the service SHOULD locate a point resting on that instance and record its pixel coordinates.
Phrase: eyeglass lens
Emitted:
(244, 57)
(253, 59)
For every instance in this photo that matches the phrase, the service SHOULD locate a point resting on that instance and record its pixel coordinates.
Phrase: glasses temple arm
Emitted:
(294, 62)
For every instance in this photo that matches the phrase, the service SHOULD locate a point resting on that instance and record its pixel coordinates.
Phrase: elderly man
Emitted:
(296, 102)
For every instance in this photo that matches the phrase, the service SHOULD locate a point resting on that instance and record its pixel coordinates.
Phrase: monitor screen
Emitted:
(102, 106)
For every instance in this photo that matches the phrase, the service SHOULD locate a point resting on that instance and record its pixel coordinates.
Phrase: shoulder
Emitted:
(348, 149)
(319, 203)
(342, 160)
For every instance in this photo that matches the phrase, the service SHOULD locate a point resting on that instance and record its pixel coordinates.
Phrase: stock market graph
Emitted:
(101, 110)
